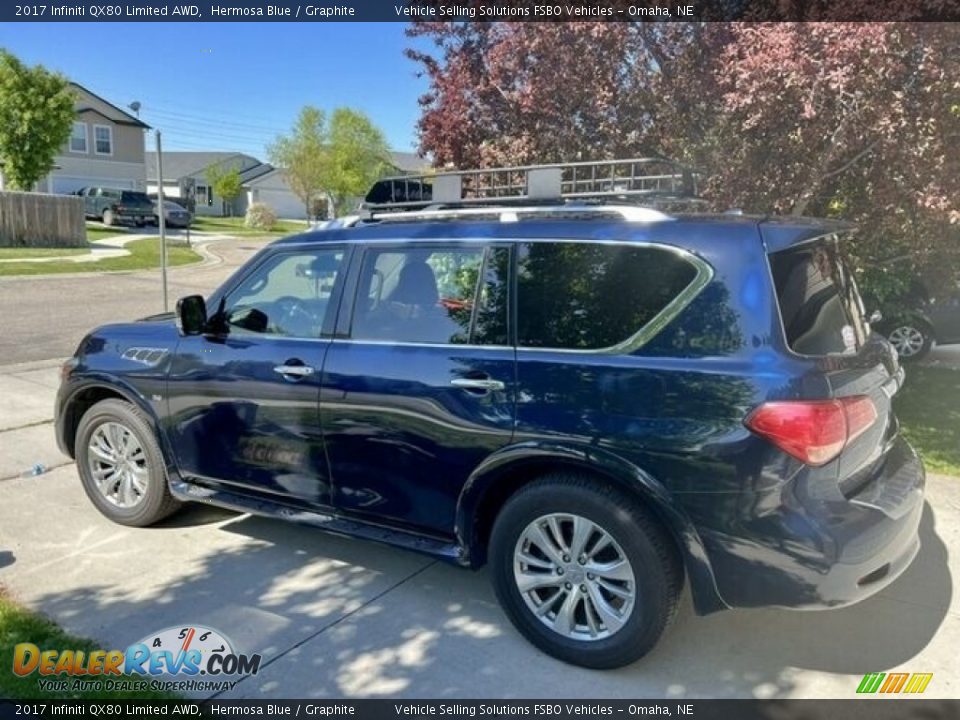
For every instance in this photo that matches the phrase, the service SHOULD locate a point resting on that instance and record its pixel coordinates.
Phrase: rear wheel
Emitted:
(108, 217)
(121, 466)
(583, 571)
(912, 340)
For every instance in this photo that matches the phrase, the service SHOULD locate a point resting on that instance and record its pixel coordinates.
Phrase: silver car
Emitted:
(175, 215)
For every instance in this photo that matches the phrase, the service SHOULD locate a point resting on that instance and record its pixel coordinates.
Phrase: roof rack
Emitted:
(632, 179)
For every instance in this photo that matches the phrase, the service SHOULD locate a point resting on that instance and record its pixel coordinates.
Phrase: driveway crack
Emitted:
(334, 623)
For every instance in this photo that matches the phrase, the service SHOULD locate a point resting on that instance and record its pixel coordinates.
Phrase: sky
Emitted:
(233, 86)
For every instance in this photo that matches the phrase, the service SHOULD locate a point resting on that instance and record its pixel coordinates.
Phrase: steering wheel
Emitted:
(292, 315)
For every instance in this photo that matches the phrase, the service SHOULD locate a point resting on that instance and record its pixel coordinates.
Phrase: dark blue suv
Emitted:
(597, 400)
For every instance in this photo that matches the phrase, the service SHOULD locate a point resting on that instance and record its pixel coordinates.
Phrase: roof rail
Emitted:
(510, 213)
(635, 178)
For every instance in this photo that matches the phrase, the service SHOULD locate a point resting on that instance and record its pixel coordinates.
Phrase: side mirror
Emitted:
(875, 317)
(191, 315)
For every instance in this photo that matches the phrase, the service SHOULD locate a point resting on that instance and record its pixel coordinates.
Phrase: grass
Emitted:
(99, 232)
(27, 252)
(17, 625)
(928, 406)
(235, 226)
(144, 255)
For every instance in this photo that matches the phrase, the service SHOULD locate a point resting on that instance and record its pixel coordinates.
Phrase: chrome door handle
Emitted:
(295, 370)
(477, 384)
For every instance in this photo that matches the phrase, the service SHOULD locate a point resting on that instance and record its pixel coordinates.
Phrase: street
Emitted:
(47, 316)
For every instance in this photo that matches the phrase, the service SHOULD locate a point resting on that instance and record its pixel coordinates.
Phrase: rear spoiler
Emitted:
(780, 233)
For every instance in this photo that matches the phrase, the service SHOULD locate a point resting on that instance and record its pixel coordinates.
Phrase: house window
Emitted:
(103, 139)
(78, 138)
(204, 195)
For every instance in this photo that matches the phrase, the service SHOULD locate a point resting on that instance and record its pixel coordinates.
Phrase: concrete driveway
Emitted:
(335, 617)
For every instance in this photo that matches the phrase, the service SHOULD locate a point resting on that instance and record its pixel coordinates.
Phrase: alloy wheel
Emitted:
(118, 464)
(574, 577)
(907, 340)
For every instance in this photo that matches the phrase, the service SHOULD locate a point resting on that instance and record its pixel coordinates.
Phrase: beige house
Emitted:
(105, 148)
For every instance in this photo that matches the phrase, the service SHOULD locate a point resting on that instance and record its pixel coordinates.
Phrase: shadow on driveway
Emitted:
(337, 617)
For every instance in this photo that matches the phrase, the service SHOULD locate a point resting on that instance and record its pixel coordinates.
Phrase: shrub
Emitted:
(260, 216)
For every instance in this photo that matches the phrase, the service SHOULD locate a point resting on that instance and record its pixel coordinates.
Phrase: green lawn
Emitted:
(98, 232)
(24, 252)
(18, 625)
(235, 226)
(144, 254)
(928, 406)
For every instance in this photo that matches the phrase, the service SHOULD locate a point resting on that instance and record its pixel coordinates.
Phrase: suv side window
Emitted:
(433, 294)
(287, 295)
(592, 295)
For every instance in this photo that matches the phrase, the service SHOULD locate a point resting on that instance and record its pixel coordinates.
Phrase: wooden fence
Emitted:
(39, 220)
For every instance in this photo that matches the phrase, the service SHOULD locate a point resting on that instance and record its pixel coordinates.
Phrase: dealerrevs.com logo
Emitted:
(193, 658)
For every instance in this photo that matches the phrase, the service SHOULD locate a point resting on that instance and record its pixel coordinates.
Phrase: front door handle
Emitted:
(294, 371)
(485, 384)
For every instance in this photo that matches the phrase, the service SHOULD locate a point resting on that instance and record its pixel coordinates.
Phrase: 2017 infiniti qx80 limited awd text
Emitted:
(599, 399)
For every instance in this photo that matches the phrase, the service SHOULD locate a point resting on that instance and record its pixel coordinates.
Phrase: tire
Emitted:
(912, 340)
(139, 223)
(637, 538)
(108, 218)
(147, 499)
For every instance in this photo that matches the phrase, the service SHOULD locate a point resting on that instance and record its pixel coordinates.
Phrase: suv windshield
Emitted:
(819, 303)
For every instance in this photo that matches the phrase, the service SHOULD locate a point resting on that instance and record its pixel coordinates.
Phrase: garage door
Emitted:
(284, 203)
(66, 185)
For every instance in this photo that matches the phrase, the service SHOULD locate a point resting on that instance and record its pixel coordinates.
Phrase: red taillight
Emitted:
(813, 431)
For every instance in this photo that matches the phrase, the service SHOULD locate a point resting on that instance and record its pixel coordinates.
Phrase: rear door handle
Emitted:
(486, 384)
(298, 371)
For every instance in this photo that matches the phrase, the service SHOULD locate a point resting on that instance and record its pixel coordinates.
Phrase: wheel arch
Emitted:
(88, 393)
(502, 474)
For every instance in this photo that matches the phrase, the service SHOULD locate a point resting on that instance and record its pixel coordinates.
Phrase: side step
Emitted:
(328, 522)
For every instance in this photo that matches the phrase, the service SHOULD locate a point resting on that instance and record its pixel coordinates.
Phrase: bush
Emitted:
(260, 216)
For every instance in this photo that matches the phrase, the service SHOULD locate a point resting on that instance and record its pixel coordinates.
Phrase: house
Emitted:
(185, 176)
(105, 148)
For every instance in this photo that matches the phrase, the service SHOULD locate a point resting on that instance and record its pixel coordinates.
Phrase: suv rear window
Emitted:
(588, 296)
(134, 197)
(819, 303)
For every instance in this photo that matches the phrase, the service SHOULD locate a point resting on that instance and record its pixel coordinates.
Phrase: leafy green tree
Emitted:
(357, 155)
(225, 182)
(36, 114)
(338, 159)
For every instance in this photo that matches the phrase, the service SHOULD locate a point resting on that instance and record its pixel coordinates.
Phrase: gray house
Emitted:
(185, 176)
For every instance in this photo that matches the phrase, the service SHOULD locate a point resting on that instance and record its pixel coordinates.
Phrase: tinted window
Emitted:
(818, 298)
(134, 197)
(587, 296)
(432, 295)
(288, 295)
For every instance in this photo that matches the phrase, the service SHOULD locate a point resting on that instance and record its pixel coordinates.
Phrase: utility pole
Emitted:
(162, 222)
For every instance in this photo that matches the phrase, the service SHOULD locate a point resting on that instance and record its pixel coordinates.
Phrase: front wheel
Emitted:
(583, 571)
(912, 340)
(121, 466)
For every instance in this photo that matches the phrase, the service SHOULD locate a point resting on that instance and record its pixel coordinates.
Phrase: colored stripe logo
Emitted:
(890, 683)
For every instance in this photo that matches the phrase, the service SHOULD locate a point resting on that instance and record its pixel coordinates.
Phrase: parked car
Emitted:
(916, 325)
(599, 401)
(175, 215)
(112, 206)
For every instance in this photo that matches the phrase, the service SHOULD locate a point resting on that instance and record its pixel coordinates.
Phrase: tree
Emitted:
(357, 155)
(301, 155)
(225, 182)
(857, 120)
(36, 115)
(338, 159)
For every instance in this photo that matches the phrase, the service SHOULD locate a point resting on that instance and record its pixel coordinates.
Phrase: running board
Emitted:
(328, 522)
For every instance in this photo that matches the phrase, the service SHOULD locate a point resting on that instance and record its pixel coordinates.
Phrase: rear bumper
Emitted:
(810, 548)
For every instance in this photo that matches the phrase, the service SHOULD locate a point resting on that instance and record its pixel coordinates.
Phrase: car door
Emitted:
(243, 401)
(945, 316)
(418, 387)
